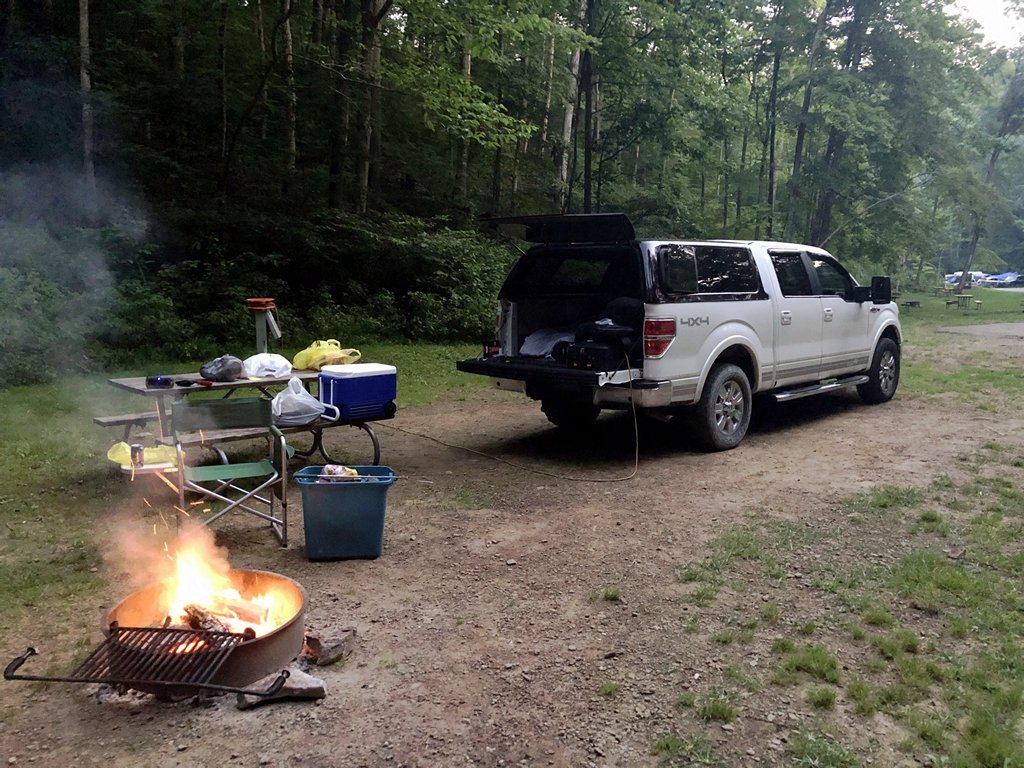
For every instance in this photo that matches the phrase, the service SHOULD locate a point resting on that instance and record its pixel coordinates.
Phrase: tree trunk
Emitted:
(222, 79)
(462, 173)
(772, 114)
(372, 13)
(851, 60)
(725, 186)
(568, 115)
(316, 32)
(261, 36)
(586, 86)
(291, 101)
(84, 65)
(924, 250)
(801, 128)
(546, 119)
(344, 11)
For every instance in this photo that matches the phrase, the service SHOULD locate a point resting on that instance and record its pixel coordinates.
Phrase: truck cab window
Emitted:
(792, 274)
(832, 279)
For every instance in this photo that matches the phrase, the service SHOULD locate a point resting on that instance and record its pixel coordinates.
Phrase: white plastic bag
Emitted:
(294, 406)
(267, 364)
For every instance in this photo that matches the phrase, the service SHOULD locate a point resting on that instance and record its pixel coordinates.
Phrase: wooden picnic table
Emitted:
(187, 383)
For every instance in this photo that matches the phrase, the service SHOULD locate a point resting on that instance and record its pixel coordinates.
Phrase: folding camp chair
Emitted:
(254, 487)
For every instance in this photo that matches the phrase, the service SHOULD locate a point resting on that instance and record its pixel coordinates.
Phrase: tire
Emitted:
(884, 375)
(568, 415)
(723, 412)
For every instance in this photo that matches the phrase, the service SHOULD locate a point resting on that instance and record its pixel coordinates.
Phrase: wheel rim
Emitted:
(887, 372)
(729, 407)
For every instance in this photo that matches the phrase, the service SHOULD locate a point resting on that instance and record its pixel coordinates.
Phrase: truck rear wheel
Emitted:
(723, 412)
(569, 415)
(884, 376)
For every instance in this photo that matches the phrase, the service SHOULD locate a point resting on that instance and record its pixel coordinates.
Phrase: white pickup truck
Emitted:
(591, 318)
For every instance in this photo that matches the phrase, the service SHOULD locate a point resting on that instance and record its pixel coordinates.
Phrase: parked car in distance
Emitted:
(591, 318)
(1004, 280)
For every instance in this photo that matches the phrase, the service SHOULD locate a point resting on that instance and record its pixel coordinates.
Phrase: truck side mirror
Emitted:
(881, 290)
(860, 294)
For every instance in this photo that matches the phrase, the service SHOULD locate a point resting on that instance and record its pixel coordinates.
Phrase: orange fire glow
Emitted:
(200, 580)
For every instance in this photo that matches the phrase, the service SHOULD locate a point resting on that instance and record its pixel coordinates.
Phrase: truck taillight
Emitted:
(659, 332)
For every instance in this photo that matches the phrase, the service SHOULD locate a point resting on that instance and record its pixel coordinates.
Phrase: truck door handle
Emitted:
(786, 317)
(828, 314)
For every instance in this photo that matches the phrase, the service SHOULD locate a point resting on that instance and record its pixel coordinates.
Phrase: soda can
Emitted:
(138, 455)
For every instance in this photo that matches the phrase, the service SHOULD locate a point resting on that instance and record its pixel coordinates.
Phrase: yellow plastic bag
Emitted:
(324, 352)
(121, 453)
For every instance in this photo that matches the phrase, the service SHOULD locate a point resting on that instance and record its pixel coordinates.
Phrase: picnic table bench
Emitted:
(128, 421)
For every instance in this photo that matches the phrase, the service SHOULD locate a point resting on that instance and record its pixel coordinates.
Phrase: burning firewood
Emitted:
(200, 618)
(243, 610)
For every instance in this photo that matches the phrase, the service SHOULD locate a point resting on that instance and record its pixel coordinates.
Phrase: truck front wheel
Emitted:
(884, 376)
(569, 415)
(723, 412)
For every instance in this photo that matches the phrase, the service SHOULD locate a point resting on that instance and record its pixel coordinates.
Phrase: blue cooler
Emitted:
(344, 519)
(360, 391)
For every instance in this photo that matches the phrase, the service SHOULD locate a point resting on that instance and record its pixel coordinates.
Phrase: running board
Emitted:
(817, 389)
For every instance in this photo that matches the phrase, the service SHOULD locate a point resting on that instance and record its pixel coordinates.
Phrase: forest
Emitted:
(163, 160)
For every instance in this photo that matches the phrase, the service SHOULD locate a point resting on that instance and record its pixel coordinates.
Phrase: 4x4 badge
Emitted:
(692, 321)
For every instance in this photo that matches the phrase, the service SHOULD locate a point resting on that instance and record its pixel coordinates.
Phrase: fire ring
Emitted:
(249, 660)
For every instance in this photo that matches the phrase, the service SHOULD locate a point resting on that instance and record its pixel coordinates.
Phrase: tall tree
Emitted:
(85, 80)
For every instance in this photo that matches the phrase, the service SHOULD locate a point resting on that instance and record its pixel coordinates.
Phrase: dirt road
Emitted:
(520, 617)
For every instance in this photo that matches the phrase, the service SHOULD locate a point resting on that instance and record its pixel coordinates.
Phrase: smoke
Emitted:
(147, 558)
(55, 280)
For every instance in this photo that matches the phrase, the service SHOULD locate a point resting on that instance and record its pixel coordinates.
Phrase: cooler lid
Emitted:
(352, 370)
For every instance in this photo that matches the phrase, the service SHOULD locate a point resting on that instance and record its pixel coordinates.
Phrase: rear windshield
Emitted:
(708, 270)
(602, 271)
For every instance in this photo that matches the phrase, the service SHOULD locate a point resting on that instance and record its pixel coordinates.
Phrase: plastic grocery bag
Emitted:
(266, 364)
(223, 368)
(294, 406)
(121, 453)
(325, 352)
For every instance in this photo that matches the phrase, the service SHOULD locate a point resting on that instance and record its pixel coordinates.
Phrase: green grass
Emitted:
(815, 749)
(686, 700)
(741, 678)
(685, 750)
(930, 582)
(813, 660)
(611, 595)
(717, 707)
(883, 499)
(609, 688)
(822, 697)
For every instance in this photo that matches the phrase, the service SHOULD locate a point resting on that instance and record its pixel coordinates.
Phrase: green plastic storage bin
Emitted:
(344, 519)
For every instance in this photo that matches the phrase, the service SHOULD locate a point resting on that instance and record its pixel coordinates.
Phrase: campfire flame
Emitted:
(199, 593)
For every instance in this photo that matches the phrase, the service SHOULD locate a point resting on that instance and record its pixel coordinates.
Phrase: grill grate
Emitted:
(162, 655)
(166, 658)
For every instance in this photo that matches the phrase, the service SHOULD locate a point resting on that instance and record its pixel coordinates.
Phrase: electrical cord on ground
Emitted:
(546, 473)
